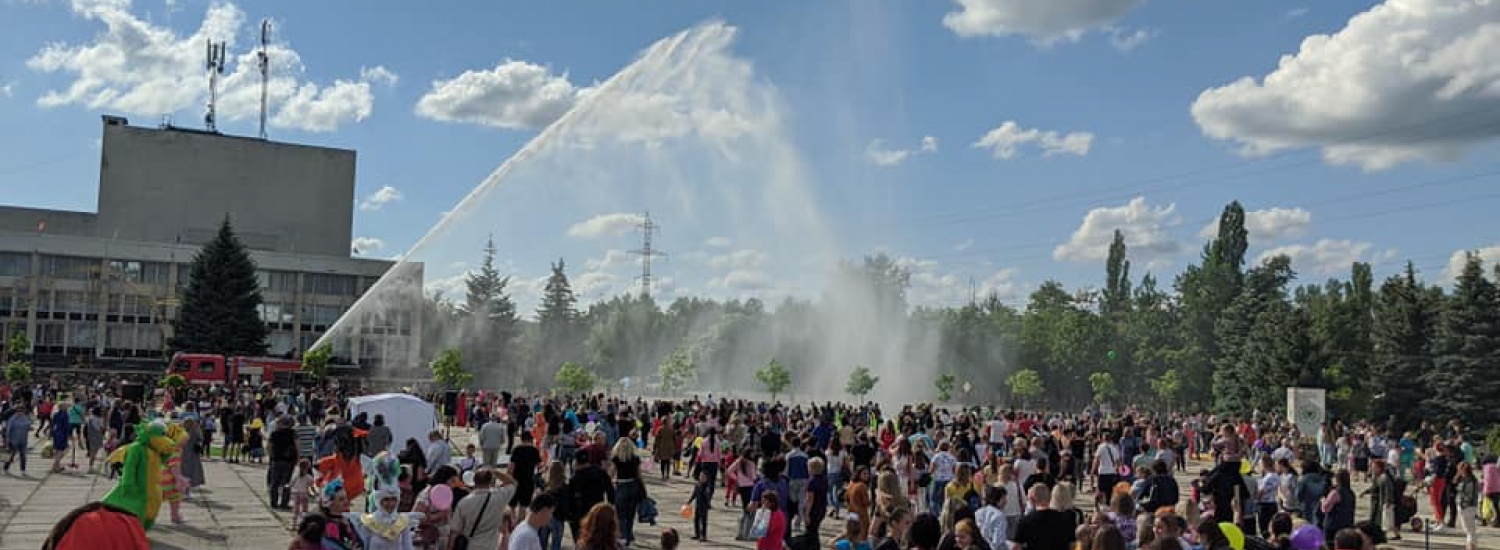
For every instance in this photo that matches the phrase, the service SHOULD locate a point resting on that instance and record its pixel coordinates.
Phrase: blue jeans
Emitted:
(552, 535)
(936, 495)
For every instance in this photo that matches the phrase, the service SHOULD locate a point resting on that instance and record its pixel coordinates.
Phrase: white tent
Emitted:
(406, 415)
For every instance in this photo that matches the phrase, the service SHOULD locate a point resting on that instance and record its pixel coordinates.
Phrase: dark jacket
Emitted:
(588, 487)
(1160, 492)
(284, 445)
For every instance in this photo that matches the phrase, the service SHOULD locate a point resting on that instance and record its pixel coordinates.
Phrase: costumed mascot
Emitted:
(173, 484)
(385, 527)
(139, 488)
(346, 463)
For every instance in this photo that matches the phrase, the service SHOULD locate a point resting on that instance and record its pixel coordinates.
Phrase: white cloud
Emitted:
(740, 259)
(612, 258)
(1406, 80)
(963, 245)
(7, 90)
(1045, 21)
(1125, 41)
(606, 225)
(1296, 12)
(1269, 225)
(746, 280)
(1489, 255)
(931, 285)
(717, 242)
(1325, 257)
(1005, 141)
(1144, 228)
(878, 154)
(379, 75)
(513, 95)
(381, 197)
(366, 245)
(138, 67)
(595, 283)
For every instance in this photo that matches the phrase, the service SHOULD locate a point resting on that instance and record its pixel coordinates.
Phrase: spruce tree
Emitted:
(1466, 348)
(557, 337)
(490, 319)
(221, 311)
(1401, 335)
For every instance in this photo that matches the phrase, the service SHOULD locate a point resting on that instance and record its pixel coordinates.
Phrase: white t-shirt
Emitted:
(525, 537)
(1025, 468)
(1108, 455)
(997, 432)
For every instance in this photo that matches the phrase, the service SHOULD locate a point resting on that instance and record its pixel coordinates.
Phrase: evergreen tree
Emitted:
(221, 310)
(558, 338)
(1206, 291)
(1116, 298)
(1401, 335)
(1467, 349)
(1238, 386)
(490, 320)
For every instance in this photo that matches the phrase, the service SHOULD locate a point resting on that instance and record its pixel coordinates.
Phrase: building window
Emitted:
(15, 264)
(329, 284)
(69, 267)
(280, 281)
(49, 334)
(73, 302)
(280, 343)
(83, 335)
(119, 337)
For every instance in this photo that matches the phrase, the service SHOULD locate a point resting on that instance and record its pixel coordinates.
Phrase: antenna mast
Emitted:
(265, 70)
(215, 64)
(646, 252)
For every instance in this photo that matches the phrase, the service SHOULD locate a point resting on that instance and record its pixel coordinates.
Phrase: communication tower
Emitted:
(215, 65)
(265, 71)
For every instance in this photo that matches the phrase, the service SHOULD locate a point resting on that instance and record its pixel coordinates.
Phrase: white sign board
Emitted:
(1305, 408)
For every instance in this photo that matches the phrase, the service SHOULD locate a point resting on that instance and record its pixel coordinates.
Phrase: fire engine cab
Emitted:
(205, 368)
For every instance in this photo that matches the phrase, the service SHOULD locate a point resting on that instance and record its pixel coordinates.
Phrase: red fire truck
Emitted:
(206, 368)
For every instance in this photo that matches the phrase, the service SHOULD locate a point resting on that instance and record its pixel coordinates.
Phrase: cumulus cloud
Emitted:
(137, 67)
(606, 225)
(1269, 225)
(7, 90)
(513, 95)
(879, 154)
(1489, 255)
(1144, 228)
(717, 242)
(366, 245)
(1327, 256)
(379, 75)
(934, 285)
(1043, 21)
(1006, 141)
(381, 197)
(1406, 80)
(963, 245)
(748, 258)
(1125, 41)
(612, 258)
(741, 279)
(595, 283)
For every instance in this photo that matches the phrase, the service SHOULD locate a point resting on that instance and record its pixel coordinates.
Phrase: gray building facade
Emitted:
(103, 288)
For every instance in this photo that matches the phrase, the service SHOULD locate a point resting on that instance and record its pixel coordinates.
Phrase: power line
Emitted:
(646, 252)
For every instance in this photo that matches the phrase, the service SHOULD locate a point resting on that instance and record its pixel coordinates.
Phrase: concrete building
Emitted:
(102, 288)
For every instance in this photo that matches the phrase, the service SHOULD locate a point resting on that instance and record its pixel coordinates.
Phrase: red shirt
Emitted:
(774, 534)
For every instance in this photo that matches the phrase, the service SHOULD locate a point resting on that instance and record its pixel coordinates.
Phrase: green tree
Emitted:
(448, 369)
(945, 383)
(1238, 387)
(1104, 387)
(558, 337)
(17, 347)
(489, 319)
(315, 361)
(1025, 384)
(17, 371)
(677, 371)
(861, 382)
(1166, 387)
(1206, 290)
(1467, 348)
(1116, 296)
(172, 381)
(221, 310)
(574, 379)
(774, 377)
(1404, 323)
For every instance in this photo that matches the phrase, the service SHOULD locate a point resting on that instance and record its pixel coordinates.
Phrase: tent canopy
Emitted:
(406, 415)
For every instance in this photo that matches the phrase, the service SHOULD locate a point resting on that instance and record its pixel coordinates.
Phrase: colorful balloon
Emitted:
(1234, 534)
(442, 497)
(1307, 537)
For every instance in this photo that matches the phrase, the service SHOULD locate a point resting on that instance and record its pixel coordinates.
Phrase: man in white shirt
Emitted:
(438, 454)
(538, 515)
(1107, 463)
(480, 515)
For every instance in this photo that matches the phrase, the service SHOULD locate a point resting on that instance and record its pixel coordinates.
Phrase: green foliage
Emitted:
(861, 382)
(1104, 387)
(17, 371)
(1167, 386)
(1116, 296)
(220, 312)
(774, 377)
(945, 383)
(1492, 440)
(488, 318)
(448, 369)
(1466, 346)
(1405, 316)
(677, 371)
(173, 381)
(1025, 384)
(315, 361)
(17, 346)
(574, 379)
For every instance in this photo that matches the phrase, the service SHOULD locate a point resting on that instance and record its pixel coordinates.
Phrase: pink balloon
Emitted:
(442, 497)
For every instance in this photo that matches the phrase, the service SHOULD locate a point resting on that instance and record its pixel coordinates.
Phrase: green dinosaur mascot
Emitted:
(139, 489)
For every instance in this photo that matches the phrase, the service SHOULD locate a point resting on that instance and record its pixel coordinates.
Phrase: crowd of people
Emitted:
(540, 472)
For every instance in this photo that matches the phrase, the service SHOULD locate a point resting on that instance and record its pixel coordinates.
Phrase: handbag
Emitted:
(461, 541)
(761, 525)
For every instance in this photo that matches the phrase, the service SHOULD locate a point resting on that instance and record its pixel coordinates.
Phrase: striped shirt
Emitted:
(307, 441)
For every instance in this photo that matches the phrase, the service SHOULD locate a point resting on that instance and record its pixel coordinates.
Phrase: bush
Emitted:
(1492, 440)
(174, 381)
(17, 372)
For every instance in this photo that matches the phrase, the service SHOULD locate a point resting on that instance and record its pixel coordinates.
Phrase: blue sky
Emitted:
(993, 140)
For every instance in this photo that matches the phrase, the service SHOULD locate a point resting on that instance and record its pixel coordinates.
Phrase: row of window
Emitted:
(18, 264)
(86, 335)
